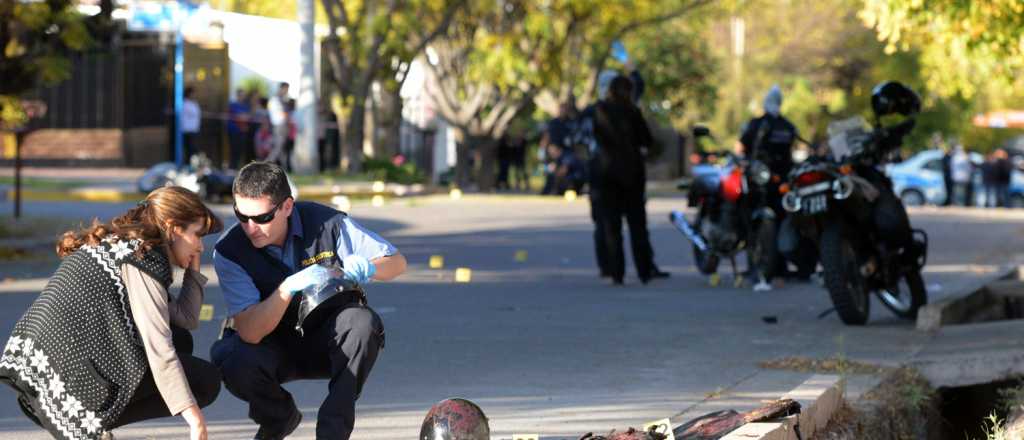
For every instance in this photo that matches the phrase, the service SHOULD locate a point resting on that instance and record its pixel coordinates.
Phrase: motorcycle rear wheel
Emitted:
(905, 303)
(706, 261)
(846, 286)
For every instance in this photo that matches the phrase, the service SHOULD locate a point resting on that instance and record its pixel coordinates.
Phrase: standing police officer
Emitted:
(278, 248)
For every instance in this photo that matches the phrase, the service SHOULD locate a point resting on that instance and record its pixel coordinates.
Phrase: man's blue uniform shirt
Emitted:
(239, 290)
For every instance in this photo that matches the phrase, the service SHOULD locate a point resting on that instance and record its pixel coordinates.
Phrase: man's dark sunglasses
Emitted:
(260, 219)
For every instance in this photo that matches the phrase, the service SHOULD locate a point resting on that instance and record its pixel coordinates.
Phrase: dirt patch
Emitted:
(832, 365)
(903, 406)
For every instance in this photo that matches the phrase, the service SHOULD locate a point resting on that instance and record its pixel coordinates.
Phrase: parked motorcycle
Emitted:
(199, 176)
(731, 217)
(837, 201)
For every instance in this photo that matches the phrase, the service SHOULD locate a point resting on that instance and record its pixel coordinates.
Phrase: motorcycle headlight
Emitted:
(759, 173)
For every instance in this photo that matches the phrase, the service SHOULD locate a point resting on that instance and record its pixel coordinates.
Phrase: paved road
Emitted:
(544, 345)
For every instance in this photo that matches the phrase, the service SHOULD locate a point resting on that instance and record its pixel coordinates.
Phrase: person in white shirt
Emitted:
(962, 172)
(279, 121)
(191, 116)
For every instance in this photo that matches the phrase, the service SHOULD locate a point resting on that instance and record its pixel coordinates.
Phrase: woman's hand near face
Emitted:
(193, 262)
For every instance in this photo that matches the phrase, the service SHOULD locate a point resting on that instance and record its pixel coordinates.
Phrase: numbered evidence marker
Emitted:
(570, 195)
(377, 201)
(663, 426)
(455, 194)
(463, 275)
(521, 256)
(436, 261)
(206, 312)
(378, 186)
(525, 437)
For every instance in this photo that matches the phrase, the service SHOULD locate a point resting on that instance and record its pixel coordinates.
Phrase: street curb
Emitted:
(820, 397)
(76, 195)
(973, 300)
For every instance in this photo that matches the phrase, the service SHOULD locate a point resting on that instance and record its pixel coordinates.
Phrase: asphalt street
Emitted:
(544, 345)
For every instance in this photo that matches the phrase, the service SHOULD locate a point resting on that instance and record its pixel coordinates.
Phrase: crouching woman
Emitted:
(104, 344)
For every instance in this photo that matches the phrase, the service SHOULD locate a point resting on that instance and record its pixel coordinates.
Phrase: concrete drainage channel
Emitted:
(948, 390)
(964, 374)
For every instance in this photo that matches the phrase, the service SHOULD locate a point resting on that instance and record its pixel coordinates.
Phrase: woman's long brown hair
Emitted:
(150, 221)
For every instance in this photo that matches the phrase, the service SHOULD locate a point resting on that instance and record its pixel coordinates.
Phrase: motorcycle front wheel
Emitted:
(843, 279)
(905, 298)
(765, 250)
(706, 261)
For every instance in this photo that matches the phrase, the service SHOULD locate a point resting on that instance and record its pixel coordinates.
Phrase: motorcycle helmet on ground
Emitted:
(455, 419)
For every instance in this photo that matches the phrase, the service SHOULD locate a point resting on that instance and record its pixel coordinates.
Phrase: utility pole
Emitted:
(306, 157)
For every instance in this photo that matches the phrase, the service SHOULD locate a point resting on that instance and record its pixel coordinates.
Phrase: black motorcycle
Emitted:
(837, 202)
(731, 217)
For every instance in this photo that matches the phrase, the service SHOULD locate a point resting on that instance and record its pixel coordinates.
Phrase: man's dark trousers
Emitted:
(343, 350)
(614, 203)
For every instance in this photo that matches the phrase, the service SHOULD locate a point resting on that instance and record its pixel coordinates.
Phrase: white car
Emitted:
(918, 180)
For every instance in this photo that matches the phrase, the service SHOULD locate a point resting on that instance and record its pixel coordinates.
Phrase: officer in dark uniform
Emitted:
(770, 138)
(279, 248)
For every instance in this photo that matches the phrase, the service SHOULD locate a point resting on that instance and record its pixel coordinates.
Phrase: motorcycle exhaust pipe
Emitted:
(842, 188)
(791, 202)
(679, 220)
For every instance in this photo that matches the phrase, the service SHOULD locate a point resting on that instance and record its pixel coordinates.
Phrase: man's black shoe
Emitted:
(279, 432)
(658, 273)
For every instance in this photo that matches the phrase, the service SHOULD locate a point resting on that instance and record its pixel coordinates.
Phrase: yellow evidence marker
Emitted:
(663, 427)
(463, 275)
(570, 196)
(436, 261)
(714, 279)
(455, 194)
(738, 282)
(377, 201)
(378, 186)
(206, 312)
(521, 256)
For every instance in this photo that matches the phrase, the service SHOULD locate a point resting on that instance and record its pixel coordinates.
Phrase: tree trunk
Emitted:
(352, 148)
(389, 119)
(462, 158)
(485, 151)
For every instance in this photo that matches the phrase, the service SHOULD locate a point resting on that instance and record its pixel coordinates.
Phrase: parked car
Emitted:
(918, 180)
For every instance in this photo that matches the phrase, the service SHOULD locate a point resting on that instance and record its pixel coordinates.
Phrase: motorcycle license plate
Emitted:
(816, 203)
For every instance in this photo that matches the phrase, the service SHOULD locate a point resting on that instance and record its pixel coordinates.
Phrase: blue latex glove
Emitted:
(358, 269)
(310, 276)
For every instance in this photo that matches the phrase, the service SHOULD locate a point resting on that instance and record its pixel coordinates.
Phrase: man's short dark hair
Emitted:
(283, 85)
(621, 89)
(261, 179)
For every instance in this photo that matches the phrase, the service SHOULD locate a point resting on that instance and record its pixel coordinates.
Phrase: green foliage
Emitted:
(963, 45)
(35, 41)
(254, 85)
(383, 169)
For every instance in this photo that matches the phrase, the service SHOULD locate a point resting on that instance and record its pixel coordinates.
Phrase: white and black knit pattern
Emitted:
(77, 349)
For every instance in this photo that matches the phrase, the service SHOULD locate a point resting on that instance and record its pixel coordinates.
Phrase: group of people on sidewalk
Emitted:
(261, 128)
(105, 344)
(959, 173)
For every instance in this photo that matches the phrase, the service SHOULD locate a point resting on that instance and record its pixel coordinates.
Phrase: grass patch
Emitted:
(38, 184)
